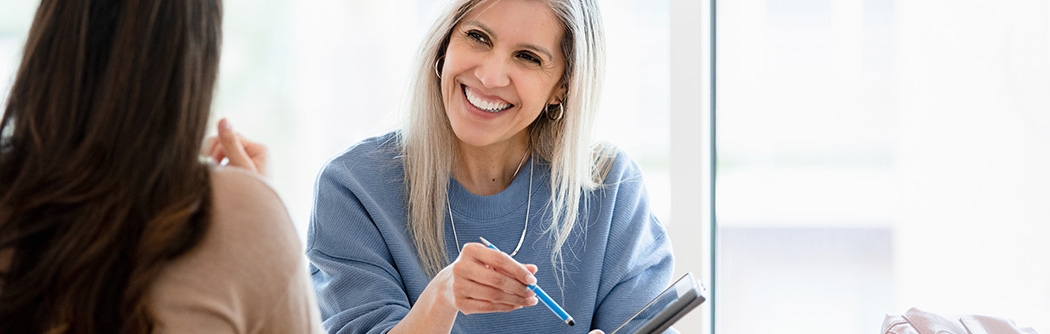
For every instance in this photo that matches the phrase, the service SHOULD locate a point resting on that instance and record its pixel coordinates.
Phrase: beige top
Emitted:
(248, 274)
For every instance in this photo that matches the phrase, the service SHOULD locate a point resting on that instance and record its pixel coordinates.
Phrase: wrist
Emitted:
(433, 312)
(441, 300)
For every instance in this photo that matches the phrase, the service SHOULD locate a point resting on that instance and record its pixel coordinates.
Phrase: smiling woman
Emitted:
(496, 83)
(380, 214)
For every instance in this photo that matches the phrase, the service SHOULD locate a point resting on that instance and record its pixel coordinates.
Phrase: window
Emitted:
(877, 155)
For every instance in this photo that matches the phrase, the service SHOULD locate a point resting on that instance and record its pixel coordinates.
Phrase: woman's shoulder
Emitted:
(382, 147)
(248, 268)
(371, 158)
(236, 189)
(613, 165)
(246, 209)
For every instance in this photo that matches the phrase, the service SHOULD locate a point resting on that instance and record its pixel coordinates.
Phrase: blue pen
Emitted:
(542, 295)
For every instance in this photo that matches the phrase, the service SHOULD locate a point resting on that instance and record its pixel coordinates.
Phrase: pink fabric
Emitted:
(917, 321)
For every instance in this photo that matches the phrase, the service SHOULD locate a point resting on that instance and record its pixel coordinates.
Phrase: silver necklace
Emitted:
(528, 206)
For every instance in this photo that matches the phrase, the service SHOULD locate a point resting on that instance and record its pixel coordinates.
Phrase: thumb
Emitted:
(231, 144)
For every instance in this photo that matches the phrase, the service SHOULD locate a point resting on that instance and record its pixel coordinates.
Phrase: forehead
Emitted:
(518, 21)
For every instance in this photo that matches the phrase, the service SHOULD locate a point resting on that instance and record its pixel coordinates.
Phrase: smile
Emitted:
(483, 104)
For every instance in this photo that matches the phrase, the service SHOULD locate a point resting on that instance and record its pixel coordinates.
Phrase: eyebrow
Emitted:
(532, 47)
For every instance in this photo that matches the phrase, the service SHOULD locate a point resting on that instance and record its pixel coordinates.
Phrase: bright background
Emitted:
(873, 155)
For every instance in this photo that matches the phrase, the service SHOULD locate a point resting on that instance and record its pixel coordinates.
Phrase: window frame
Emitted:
(693, 152)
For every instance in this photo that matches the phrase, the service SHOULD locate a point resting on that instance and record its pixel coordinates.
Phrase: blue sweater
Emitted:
(367, 275)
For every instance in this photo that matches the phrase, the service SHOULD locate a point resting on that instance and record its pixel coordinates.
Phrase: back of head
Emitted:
(100, 181)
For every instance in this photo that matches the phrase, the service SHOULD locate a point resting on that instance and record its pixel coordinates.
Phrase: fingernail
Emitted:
(532, 300)
(530, 279)
(225, 124)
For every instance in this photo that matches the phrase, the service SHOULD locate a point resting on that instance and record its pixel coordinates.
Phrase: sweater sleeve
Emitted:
(638, 262)
(356, 279)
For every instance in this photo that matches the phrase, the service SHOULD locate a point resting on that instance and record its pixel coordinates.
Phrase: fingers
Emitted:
(257, 153)
(596, 331)
(215, 151)
(474, 297)
(209, 145)
(500, 262)
(491, 285)
(236, 150)
(233, 148)
(532, 268)
(486, 280)
(471, 306)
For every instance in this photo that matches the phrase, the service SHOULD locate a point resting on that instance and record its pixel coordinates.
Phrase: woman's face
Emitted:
(502, 66)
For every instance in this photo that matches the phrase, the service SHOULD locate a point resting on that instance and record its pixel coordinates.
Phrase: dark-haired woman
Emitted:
(109, 221)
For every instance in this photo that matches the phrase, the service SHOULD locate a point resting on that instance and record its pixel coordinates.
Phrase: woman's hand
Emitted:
(238, 151)
(483, 280)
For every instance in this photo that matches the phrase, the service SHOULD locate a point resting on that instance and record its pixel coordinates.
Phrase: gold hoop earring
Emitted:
(561, 112)
(437, 66)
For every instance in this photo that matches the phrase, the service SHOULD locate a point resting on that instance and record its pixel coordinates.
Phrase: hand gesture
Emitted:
(238, 151)
(483, 280)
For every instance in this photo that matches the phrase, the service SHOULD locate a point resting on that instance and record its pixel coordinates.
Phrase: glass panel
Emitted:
(878, 155)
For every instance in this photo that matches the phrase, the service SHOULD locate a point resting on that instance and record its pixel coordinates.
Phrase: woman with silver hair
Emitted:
(496, 146)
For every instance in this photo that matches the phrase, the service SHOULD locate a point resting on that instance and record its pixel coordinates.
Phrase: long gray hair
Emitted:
(428, 143)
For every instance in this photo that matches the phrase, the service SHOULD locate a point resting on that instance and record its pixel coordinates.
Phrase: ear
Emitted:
(559, 95)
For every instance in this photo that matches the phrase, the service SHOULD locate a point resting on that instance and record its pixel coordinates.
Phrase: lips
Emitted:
(492, 106)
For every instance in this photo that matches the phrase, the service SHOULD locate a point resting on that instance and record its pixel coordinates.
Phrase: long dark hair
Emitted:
(100, 181)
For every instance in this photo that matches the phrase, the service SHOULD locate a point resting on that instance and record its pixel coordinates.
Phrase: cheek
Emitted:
(448, 77)
(457, 57)
(540, 90)
(452, 67)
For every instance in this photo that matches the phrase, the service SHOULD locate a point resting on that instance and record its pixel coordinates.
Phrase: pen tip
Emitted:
(570, 322)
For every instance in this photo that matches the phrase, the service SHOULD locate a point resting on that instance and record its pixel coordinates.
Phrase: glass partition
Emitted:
(878, 155)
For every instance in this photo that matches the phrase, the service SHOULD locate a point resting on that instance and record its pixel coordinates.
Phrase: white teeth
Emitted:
(490, 106)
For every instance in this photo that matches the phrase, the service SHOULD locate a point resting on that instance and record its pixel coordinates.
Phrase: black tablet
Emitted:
(664, 310)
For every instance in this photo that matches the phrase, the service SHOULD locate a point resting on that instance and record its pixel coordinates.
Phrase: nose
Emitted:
(492, 72)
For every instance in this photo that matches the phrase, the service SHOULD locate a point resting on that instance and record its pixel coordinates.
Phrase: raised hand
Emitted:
(237, 150)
